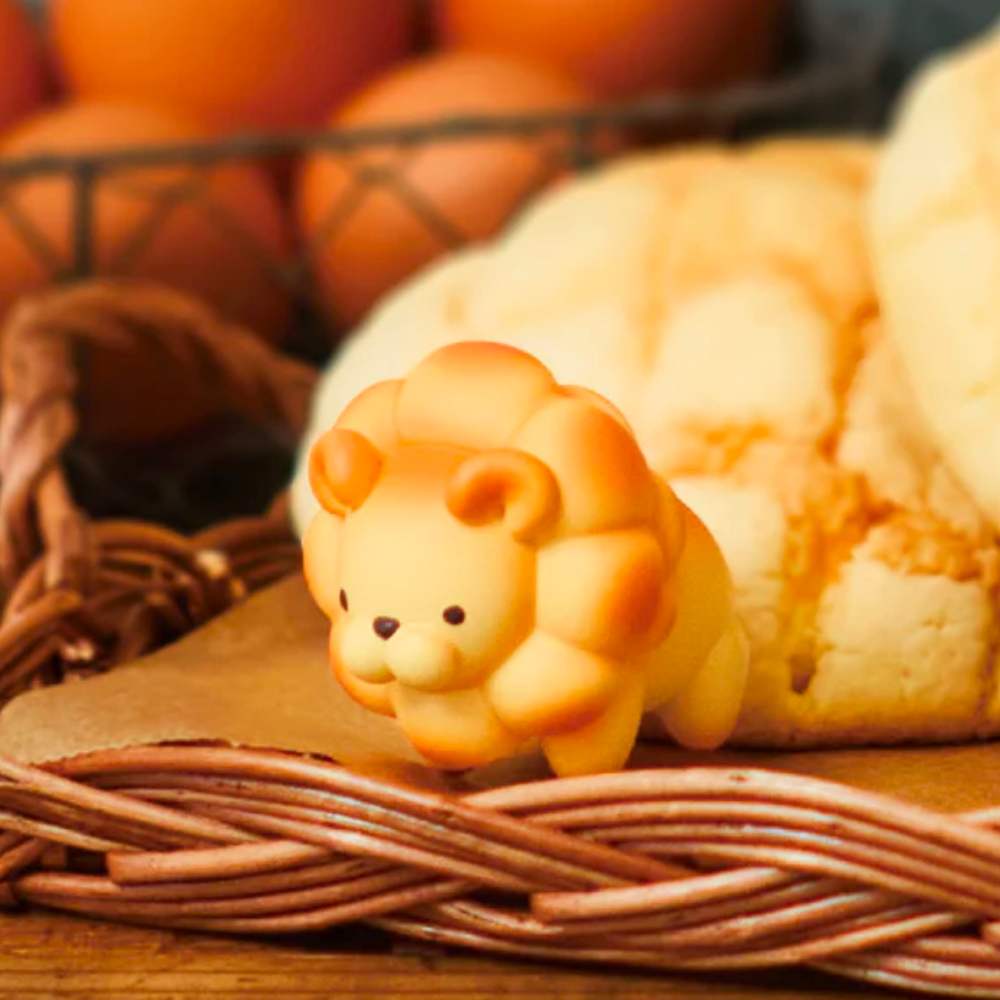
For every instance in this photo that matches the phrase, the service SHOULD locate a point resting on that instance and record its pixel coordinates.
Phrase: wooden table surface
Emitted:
(49, 955)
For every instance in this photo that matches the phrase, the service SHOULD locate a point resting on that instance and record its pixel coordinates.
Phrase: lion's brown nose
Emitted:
(385, 627)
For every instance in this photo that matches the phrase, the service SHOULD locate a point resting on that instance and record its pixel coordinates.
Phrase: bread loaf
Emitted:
(935, 246)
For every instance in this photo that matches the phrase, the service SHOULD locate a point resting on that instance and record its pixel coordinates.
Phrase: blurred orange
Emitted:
(472, 186)
(623, 47)
(24, 74)
(237, 64)
(145, 227)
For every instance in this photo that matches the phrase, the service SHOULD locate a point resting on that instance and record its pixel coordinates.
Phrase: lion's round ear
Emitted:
(344, 467)
(507, 484)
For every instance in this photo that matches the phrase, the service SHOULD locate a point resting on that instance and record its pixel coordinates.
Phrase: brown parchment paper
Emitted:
(256, 676)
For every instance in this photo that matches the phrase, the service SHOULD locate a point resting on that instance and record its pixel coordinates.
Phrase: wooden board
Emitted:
(50, 956)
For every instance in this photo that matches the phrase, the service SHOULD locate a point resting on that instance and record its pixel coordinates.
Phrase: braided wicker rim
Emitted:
(698, 869)
(81, 596)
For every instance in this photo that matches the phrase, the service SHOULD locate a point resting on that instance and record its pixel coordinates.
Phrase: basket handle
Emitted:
(41, 348)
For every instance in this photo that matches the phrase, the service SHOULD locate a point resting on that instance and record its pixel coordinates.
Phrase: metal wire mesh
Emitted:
(827, 82)
(836, 75)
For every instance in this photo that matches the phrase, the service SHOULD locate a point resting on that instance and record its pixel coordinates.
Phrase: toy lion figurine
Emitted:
(500, 566)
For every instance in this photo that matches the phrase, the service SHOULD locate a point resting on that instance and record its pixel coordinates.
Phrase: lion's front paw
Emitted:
(453, 729)
(549, 686)
(603, 744)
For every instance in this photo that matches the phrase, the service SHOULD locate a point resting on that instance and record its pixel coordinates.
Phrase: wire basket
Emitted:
(696, 869)
(829, 81)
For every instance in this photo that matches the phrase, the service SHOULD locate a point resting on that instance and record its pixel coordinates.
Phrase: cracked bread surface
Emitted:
(934, 221)
(723, 300)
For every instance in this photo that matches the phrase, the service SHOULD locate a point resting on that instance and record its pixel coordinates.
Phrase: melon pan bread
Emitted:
(723, 300)
(935, 246)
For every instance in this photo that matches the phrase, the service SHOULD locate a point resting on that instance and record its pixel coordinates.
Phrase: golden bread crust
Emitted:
(935, 237)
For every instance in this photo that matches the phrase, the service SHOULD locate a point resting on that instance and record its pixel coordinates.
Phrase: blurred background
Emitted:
(290, 163)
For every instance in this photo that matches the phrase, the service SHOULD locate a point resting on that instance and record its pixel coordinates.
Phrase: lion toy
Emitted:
(501, 569)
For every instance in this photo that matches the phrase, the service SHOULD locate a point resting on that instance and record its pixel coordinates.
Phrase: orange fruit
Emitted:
(470, 186)
(622, 47)
(237, 64)
(216, 254)
(24, 73)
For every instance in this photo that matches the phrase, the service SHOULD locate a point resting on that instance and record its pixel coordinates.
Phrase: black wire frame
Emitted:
(569, 140)
(188, 485)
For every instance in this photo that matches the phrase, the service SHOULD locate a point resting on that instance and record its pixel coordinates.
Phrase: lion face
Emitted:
(426, 599)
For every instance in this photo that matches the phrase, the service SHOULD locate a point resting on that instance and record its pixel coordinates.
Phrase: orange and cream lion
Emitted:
(500, 566)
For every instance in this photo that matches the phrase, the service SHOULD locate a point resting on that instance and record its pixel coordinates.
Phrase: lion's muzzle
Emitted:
(383, 650)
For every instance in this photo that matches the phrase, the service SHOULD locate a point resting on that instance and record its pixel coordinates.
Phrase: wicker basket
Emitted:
(690, 868)
(79, 595)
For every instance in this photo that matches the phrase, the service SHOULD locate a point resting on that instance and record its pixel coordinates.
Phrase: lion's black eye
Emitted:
(343, 599)
(454, 615)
